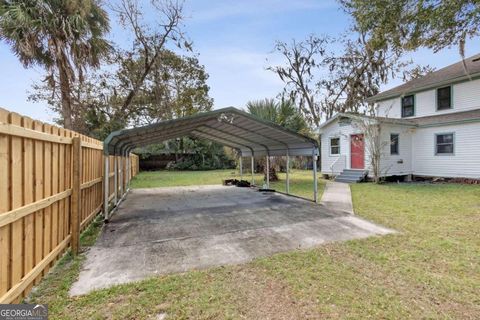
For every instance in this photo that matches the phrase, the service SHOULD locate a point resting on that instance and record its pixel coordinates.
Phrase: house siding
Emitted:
(343, 132)
(416, 151)
(465, 162)
(465, 96)
(401, 163)
(389, 163)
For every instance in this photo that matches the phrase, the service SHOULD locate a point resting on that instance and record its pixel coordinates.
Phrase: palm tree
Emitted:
(64, 37)
(266, 109)
(283, 113)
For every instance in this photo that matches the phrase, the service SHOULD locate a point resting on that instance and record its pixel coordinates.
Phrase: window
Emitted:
(408, 106)
(444, 143)
(334, 145)
(444, 98)
(394, 137)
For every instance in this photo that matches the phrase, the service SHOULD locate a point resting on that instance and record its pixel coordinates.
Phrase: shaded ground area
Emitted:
(301, 181)
(167, 230)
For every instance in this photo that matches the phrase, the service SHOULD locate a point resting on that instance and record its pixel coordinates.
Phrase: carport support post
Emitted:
(124, 172)
(287, 187)
(119, 179)
(268, 172)
(106, 178)
(315, 186)
(240, 163)
(253, 170)
(128, 170)
(115, 178)
(120, 174)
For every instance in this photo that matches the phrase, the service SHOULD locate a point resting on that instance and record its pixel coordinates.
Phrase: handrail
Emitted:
(335, 162)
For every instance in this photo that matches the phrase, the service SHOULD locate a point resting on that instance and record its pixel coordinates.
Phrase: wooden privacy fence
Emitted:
(51, 187)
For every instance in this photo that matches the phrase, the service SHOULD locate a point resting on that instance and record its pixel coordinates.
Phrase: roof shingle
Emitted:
(452, 73)
(435, 120)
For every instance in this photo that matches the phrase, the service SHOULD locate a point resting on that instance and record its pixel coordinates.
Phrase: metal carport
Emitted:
(231, 127)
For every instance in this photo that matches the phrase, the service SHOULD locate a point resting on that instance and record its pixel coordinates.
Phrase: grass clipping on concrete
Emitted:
(430, 269)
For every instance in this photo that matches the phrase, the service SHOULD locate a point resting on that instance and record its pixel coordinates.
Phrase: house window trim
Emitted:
(435, 144)
(451, 99)
(414, 105)
(330, 147)
(398, 144)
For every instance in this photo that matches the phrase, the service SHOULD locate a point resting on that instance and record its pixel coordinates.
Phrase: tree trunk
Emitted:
(65, 94)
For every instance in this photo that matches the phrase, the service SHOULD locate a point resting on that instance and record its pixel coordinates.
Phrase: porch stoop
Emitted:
(352, 175)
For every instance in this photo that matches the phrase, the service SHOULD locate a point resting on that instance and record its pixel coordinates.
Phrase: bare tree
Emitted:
(324, 83)
(358, 73)
(150, 39)
(299, 74)
(417, 72)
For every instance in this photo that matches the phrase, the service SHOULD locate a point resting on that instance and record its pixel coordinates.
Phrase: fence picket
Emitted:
(28, 229)
(38, 195)
(36, 189)
(4, 206)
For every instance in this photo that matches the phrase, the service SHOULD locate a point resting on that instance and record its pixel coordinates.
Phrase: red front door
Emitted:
(357, 151)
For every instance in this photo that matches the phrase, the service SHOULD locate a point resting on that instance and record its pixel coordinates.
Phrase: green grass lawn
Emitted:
(429, 269)
(301, 181)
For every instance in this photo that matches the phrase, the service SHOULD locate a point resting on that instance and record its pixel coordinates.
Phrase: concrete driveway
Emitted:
(167, 230)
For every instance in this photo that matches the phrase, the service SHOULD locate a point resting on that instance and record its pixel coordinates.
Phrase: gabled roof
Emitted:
(229, 126)
(460, 71)
(427, 121)
(448, 118)
(352, 115)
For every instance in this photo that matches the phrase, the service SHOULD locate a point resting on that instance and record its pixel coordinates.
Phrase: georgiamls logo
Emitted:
(23, 312)
(40, 311)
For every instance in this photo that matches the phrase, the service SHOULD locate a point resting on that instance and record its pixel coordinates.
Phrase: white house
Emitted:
(430, 126)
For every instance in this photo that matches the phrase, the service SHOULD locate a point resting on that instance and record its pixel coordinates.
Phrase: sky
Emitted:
(234, 40)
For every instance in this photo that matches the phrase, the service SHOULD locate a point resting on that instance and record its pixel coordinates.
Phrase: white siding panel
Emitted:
(466, 96)
(425, 103)
(464, 163)
(389, 108)
(343, 132)
(417, 151)
(400, 164)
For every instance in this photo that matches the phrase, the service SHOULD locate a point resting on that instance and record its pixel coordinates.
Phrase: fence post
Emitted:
(76, 201)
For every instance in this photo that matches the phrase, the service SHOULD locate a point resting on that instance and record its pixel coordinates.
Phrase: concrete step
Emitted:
(346, 180)
(354, 171)
(350, 176)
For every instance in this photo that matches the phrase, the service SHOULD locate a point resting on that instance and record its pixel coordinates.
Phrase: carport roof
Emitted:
(229, 126)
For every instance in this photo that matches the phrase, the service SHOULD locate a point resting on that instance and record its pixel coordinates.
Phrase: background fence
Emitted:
(51, 188)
